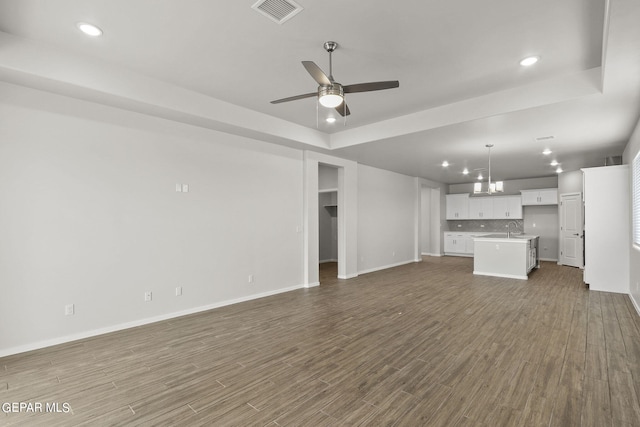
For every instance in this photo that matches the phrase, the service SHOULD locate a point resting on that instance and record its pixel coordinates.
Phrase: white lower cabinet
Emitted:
(459, 243)
(455, 243)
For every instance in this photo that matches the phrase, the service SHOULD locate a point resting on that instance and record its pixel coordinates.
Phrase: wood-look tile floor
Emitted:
(426, 344)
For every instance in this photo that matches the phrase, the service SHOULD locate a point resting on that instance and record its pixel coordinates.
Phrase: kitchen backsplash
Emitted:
(490, 225)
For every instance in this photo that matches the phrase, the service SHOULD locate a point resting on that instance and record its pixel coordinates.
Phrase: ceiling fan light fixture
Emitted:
(89, 29)
(330, 96)
(529, 61)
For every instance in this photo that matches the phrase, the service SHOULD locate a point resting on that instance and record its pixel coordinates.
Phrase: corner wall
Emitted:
(386, 219)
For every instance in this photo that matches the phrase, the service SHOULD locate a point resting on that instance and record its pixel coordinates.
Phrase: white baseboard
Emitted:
(384, 267)
(348, 276)
(322, 261)
(101, 331)
(312, 285)
(429, 254)
(508, 276)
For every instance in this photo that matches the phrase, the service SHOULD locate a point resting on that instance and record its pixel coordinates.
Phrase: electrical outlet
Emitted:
(147, 296)
(178, 291)
(250, 280)
(185, 188)
(69, 310)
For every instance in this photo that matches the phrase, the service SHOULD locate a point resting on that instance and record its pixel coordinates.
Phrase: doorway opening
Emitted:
(328, 222)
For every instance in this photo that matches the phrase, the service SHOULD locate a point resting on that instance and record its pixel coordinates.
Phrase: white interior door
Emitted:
(571, 230)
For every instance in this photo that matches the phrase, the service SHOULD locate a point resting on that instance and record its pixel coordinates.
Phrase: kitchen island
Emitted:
(498, 255)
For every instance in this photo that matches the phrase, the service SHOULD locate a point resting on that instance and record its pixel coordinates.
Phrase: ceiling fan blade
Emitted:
(295, 98)
(317, 74)
(343, 109)
(366, 87)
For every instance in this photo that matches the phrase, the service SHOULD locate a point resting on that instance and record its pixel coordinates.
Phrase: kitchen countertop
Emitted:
(502, 237)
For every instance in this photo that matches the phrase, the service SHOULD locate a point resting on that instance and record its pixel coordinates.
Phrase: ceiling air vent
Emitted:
(279, 11)
(545, 138)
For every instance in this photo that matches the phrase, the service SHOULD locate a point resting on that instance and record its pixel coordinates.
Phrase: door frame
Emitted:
(347, 217)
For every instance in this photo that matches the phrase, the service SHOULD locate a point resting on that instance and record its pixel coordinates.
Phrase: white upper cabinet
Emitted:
(481, 208)
(544, 196)
(507, 207)
(457, 206)
(461, 206)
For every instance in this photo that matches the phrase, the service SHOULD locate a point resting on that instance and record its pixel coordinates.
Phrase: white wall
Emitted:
(90, 217)
(630, 152)
(425, 210)
(570, 182)
(386, 218)
(327, 177)
(543, 221)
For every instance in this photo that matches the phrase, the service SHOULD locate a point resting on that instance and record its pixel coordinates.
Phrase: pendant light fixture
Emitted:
(492, 187)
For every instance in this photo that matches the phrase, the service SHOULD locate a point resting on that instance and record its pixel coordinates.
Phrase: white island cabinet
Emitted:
(514, 257)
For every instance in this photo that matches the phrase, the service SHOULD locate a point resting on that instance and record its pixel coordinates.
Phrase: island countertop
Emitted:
(502, 237)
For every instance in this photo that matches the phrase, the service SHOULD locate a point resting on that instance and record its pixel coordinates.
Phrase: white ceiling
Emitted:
(461, 86)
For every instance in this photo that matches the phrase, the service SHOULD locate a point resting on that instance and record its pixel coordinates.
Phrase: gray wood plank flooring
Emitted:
(426, 344)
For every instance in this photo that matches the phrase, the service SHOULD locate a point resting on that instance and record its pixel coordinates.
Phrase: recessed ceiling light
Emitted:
(89, 29)
(331, 119)
(546, 152)
(479, 177)
(559, 170)
(465, 171)
(445, 164)
(554, 163)
(529, 61)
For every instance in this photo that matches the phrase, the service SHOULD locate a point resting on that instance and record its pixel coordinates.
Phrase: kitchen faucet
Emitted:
(509, 228)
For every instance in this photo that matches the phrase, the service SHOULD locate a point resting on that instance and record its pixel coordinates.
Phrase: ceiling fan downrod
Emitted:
(330, 47)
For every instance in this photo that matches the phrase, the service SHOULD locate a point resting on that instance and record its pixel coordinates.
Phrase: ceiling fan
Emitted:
(331, 93)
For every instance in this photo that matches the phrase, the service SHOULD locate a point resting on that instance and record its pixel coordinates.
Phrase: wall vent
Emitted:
(613, 160)
(545, 138)
(278, 11)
